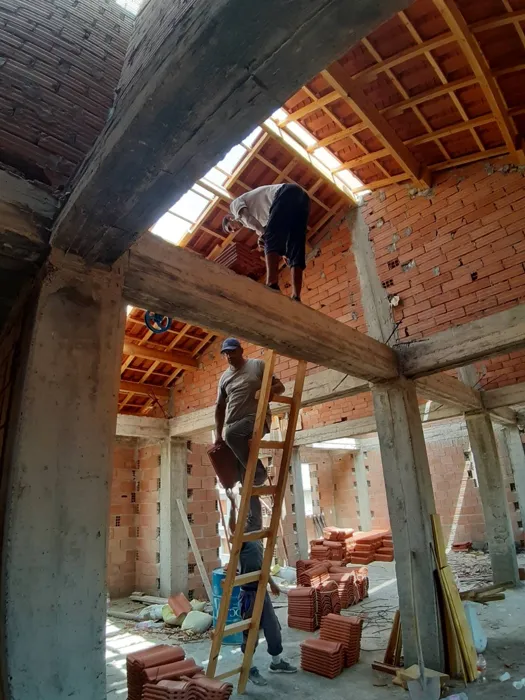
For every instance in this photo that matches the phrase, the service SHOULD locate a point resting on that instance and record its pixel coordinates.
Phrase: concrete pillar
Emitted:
(298, 498)
(173, 538)
(514, 448)
(410, 502)
(365, 516)
(493, 497)
(59, 461)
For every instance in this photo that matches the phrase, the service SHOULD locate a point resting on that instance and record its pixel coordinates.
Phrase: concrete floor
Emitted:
(503, 621)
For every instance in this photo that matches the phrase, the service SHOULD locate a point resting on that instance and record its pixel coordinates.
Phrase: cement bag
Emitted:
(170, 618)
(197, 621)
(151, 612)
(478, 635)
(198, 605)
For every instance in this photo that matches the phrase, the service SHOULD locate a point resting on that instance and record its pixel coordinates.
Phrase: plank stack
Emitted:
(326, 658)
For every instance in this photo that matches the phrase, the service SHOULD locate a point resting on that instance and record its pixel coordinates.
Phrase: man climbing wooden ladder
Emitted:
(240, 536)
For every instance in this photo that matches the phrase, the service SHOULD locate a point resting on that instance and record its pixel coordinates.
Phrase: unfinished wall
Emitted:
(455, 252)
(122, 542)
(61, 63)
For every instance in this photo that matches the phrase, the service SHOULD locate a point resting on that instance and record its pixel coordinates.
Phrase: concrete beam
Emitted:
(173, 539)
(493, 497)
(142, 427)
(516, 455)
(477, 340)
(158, 276)
(410, 502)
(59, 459)
(512, 395)
(218, 68)
(298, 499)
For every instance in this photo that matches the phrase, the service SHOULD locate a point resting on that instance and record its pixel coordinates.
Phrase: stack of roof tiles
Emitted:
(328, 598)
(326, 658)
(318, 550)
(302, 609)
(345, 630)
(197, 688)
(301, 567)
(365, 546)
(157, 664)
(346, 588)
(337, 534)
(386, 551)
(315, 575)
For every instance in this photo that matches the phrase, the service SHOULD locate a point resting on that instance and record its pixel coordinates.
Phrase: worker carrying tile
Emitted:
(279, 216)
(250, 560)
(235, 411)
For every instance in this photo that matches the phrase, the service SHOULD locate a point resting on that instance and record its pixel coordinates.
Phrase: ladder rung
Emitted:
(237, 627)
(271, 445)
(243, 579)
(256, 535)
(264, 491)
(227, 674)
(283, 399)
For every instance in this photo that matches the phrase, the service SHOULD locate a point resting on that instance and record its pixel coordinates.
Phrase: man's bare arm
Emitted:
(220, 414)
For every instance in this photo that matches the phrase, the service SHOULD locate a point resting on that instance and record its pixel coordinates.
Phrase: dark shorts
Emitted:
(285, 232)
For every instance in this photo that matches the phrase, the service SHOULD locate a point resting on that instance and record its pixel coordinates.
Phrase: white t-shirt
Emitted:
(257, 201)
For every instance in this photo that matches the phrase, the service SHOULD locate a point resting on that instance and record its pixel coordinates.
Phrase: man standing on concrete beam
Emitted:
(235, 412)
(279, 216)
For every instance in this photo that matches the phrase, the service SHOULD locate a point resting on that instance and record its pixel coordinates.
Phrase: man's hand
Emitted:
(274, 588)
(219, 440)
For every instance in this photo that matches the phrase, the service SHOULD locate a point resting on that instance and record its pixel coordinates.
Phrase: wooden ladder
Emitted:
(278, 491)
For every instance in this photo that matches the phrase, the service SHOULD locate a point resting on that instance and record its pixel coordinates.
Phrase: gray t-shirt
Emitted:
(250, 560)
(238, 388)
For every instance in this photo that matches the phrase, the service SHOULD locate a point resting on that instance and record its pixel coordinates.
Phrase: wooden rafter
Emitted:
(351, 91)
(478, 63)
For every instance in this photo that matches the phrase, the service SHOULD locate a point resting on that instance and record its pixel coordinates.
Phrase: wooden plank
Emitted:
(161, 392)
(439, 542)
(195, 550)
(341, 81)
(477, 340)
(163, 136)
(472, 158)
(158, 276)
(171, 357)
(477, 61)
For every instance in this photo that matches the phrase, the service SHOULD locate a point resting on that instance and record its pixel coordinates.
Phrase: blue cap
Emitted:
(230, 344)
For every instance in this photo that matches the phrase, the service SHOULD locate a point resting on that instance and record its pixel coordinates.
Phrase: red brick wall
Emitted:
(456, 252)
(204, 515)
(147, 494)
(60, 64)
(122, 543)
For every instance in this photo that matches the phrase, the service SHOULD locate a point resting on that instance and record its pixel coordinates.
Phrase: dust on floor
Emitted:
(503, 621)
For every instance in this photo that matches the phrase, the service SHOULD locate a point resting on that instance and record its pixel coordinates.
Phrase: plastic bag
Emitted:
(198, 605)
(170, 618)
(151, 612)
(197, 621)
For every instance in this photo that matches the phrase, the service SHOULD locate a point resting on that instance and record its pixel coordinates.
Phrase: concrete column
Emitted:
(514, 448)
(298, 498)
(410, 502)
(365, 516)
(173, 538)
(493, 497)
(59, 461)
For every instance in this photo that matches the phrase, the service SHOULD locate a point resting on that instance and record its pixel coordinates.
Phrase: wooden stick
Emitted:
(195, 550)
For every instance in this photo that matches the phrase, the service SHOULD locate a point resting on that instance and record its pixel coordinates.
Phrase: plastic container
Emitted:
(234, 612)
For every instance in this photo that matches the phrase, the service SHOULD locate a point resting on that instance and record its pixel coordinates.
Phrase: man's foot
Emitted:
(296, 298)
(282, 666)
(256, 678)
(274, 286)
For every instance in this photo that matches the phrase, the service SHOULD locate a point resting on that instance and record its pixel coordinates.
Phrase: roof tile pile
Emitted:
(326, 658)
(197, 688)
(347, 631)
(157, 664)
(386, 551)
(328, 598)
(302, 609)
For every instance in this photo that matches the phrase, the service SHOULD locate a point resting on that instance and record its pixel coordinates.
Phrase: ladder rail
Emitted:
(253, 633)
(242, 515)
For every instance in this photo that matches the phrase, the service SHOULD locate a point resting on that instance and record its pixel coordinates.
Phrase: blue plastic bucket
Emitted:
(234, 611)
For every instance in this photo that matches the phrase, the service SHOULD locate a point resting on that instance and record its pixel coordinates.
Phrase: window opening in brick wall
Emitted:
(157, 583)
(512, 486)
(294, 525)
(189, 494)
(191, 569)
(392, 264)
(158, 461)
(137, 486)
(190, 517)
(117, 520)
(520, 524)
(216, 528)
(189, 544)
(137, 532)
(158, 484)
(133, 497)
(157, 557)
(516, 505)
(136, 509)
(216, 505)
(158, 532)
(188, 469)
(191, 593)
(133, 474)
(158, 508)
(136, 556)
